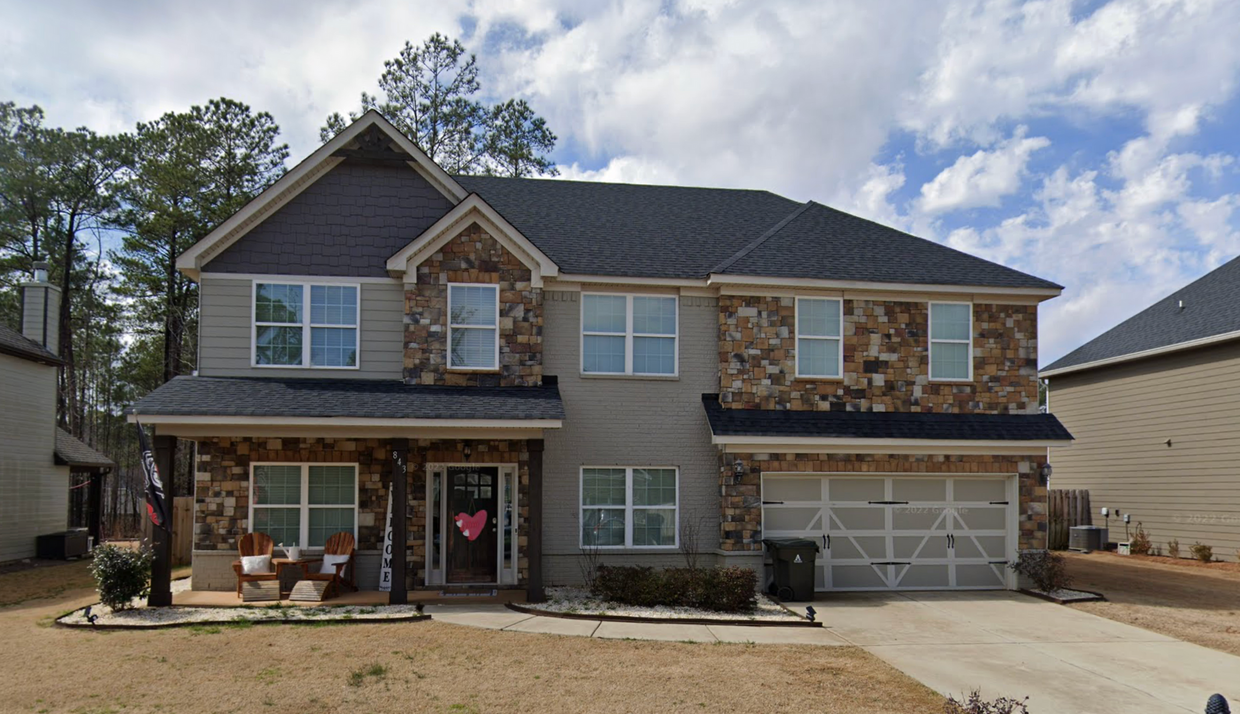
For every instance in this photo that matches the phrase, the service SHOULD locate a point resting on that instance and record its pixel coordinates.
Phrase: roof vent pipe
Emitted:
(1181, 304)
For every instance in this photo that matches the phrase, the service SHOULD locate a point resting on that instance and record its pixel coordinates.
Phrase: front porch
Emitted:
(361, 598)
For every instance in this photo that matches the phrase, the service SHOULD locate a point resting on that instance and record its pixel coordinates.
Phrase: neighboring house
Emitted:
(1154, 404)
(37, 458)
(603, 366)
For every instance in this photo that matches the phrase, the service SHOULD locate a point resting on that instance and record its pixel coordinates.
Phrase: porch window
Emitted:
(951, 342)
(628, 334)
(303, 504)
(284, 337)
(819, 334)
(473, 327)
(629, 507)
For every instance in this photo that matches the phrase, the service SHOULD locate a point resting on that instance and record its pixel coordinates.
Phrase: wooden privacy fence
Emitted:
(1068, 507)
(182, 529)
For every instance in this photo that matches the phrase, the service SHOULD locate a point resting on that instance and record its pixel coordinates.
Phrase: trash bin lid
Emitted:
(790, 543)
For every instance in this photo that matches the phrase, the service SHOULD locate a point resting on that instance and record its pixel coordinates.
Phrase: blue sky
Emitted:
(1091, 143)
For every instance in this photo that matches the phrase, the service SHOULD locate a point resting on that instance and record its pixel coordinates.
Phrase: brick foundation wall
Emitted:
(741, 503)
(473, 256)
(886, 359)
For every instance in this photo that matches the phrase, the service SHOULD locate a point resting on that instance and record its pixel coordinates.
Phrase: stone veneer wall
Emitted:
(741, 504)
(886, 359)
(222, 486)
(473, 256)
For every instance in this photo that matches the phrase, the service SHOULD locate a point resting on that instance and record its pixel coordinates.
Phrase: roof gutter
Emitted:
(1143, 354)
(720, 279)
(817, 444)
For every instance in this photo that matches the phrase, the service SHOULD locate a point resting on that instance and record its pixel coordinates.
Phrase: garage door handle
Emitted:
(887, 503)
(998, 503)
(998, 562)
(769, 503)
(891, 562)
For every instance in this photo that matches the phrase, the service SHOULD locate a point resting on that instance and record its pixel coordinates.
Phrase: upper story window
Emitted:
(473, 327)
(284, 337)
(820, 344)
(628, 334)
(951, 341)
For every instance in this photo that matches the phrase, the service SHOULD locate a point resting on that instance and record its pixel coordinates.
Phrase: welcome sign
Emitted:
(385, 571)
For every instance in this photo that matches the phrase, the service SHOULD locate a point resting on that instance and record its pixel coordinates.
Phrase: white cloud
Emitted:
(983, 178)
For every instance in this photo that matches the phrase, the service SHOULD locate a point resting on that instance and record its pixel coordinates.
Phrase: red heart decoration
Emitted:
(471, 526)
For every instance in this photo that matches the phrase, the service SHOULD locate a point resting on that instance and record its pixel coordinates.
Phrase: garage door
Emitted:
(896, 533)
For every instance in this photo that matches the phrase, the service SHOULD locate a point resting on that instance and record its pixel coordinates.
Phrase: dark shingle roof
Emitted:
(822, 242)
(72, 451)
(881, 425)
(680, 232)
(362, 398)
(15, 343)
(629, 229)
(1211, 307)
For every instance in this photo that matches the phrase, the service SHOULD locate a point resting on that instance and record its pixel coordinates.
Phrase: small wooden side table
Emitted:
(281, 564)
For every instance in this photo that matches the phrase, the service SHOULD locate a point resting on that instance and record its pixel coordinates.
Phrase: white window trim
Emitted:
(930, 338)
(305, 324)
(798, 337)
(495, 358)
(304, 535)
(628, 509)
(628, 336)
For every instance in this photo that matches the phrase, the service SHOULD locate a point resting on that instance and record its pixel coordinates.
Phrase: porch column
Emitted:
(400, 512)
(94, 504)
(533, 548)
(161, 568)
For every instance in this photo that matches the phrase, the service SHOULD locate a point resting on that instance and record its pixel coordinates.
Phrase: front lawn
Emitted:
(1185, 600)
(421, 667)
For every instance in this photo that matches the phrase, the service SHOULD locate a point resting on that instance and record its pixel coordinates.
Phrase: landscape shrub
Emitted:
(1140, 543)
(1173, 547)
(974, 704)
(122, 574)
(1202, 552)
(1048, 570)
(730, 589)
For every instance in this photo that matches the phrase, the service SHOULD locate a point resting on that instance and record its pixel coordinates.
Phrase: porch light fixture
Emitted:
(468, 452)
(738, 469)
(1045, 474)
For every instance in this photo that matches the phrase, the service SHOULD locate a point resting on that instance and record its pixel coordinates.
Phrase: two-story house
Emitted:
(602, 366)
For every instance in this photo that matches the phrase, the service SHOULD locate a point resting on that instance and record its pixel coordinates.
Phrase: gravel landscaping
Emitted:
(576, 601)
(142, 616)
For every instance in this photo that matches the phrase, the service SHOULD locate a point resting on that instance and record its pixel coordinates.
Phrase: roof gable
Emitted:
(370, 138)
(1204, 311)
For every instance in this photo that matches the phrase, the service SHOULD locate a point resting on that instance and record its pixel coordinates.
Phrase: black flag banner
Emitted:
(156, 506)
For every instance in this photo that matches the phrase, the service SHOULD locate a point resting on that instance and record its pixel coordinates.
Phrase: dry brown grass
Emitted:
(43, 579)
(1196, 604)
(422, 667)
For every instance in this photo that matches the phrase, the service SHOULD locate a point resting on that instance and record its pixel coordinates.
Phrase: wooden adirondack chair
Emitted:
(339, 544)
(248, 545)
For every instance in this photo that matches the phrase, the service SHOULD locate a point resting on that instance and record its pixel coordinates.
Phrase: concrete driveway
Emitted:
(1007, 644)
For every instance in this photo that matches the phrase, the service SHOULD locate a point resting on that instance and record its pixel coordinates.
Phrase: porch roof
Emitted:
(248, 397)
(73, 452)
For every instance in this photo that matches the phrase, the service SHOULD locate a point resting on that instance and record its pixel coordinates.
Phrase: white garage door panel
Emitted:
(896, 533)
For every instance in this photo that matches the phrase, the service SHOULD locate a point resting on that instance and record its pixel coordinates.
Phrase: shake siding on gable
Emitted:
(1122, 417)
(34, 492)
(225, 333)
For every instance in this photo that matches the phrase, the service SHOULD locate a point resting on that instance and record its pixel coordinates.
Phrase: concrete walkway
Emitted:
(498, 617)
(1008, 644)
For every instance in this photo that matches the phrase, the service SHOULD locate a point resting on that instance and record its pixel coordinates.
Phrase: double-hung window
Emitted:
(628, 334)
(305, 325)
(473, 327)
(820, 344)
(303, 504)
(951, 341)
(628, 507)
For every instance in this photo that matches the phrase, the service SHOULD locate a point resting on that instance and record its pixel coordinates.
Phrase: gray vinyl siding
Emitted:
(1122, 417)
(629, 422)
(34, 492)
(225, 333)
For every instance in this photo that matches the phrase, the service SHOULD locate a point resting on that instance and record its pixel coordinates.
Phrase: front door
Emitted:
(473, 512)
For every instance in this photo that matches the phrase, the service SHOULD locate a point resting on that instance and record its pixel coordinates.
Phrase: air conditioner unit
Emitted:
(1087, 538)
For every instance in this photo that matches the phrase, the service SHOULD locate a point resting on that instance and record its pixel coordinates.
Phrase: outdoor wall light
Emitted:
(738, 469)
(1045, 474)
(468, 451)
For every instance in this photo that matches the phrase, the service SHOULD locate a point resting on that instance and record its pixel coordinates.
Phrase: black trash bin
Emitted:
(794, 567)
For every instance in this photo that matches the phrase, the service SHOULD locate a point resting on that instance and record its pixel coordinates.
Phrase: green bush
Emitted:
(731, 589)
(1047, 570)
(122, 574)
(1202, 552)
